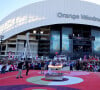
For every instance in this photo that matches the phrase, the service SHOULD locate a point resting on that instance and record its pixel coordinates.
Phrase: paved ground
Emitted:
(72, 80)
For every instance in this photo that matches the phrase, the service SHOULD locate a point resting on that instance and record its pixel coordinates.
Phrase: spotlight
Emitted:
(41, 32)
(34, 31)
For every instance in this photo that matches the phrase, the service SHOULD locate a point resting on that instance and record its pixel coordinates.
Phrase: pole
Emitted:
(1, 38)
(0, 47)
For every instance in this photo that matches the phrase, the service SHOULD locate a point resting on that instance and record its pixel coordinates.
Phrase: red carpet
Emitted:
(76, 80)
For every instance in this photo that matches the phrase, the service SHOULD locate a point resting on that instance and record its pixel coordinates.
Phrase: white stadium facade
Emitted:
(70, 27)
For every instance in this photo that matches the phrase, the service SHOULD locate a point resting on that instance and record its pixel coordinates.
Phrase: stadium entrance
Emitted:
(71, 40)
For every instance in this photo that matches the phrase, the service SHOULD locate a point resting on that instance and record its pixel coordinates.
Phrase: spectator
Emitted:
(71, 66)
(20, 64)
(42, 67)
(27, 67)
(3, 69)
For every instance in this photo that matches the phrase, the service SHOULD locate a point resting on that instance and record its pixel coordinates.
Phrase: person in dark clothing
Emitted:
(42, 67)
(47, 63)
(20, 64)
(71, 66)
(78, 65)
(27, 67)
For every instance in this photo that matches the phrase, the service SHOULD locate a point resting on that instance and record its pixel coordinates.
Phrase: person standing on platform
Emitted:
(27, 67)
(49, 70)
(20, 65)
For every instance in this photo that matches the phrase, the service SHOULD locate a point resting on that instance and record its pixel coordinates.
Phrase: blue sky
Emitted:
(8, 6)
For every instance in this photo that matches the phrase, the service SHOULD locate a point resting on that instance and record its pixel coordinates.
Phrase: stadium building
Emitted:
(70, 27)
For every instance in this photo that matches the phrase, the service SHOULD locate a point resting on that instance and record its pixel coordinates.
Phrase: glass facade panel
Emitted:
(55, 41)
(66, 42)
(96, 42)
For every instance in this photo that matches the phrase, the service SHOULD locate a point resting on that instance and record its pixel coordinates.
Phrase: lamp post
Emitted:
(1, 39)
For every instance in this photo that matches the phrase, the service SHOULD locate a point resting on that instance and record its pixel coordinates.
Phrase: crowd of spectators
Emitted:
(34, 65)
(93, 66)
